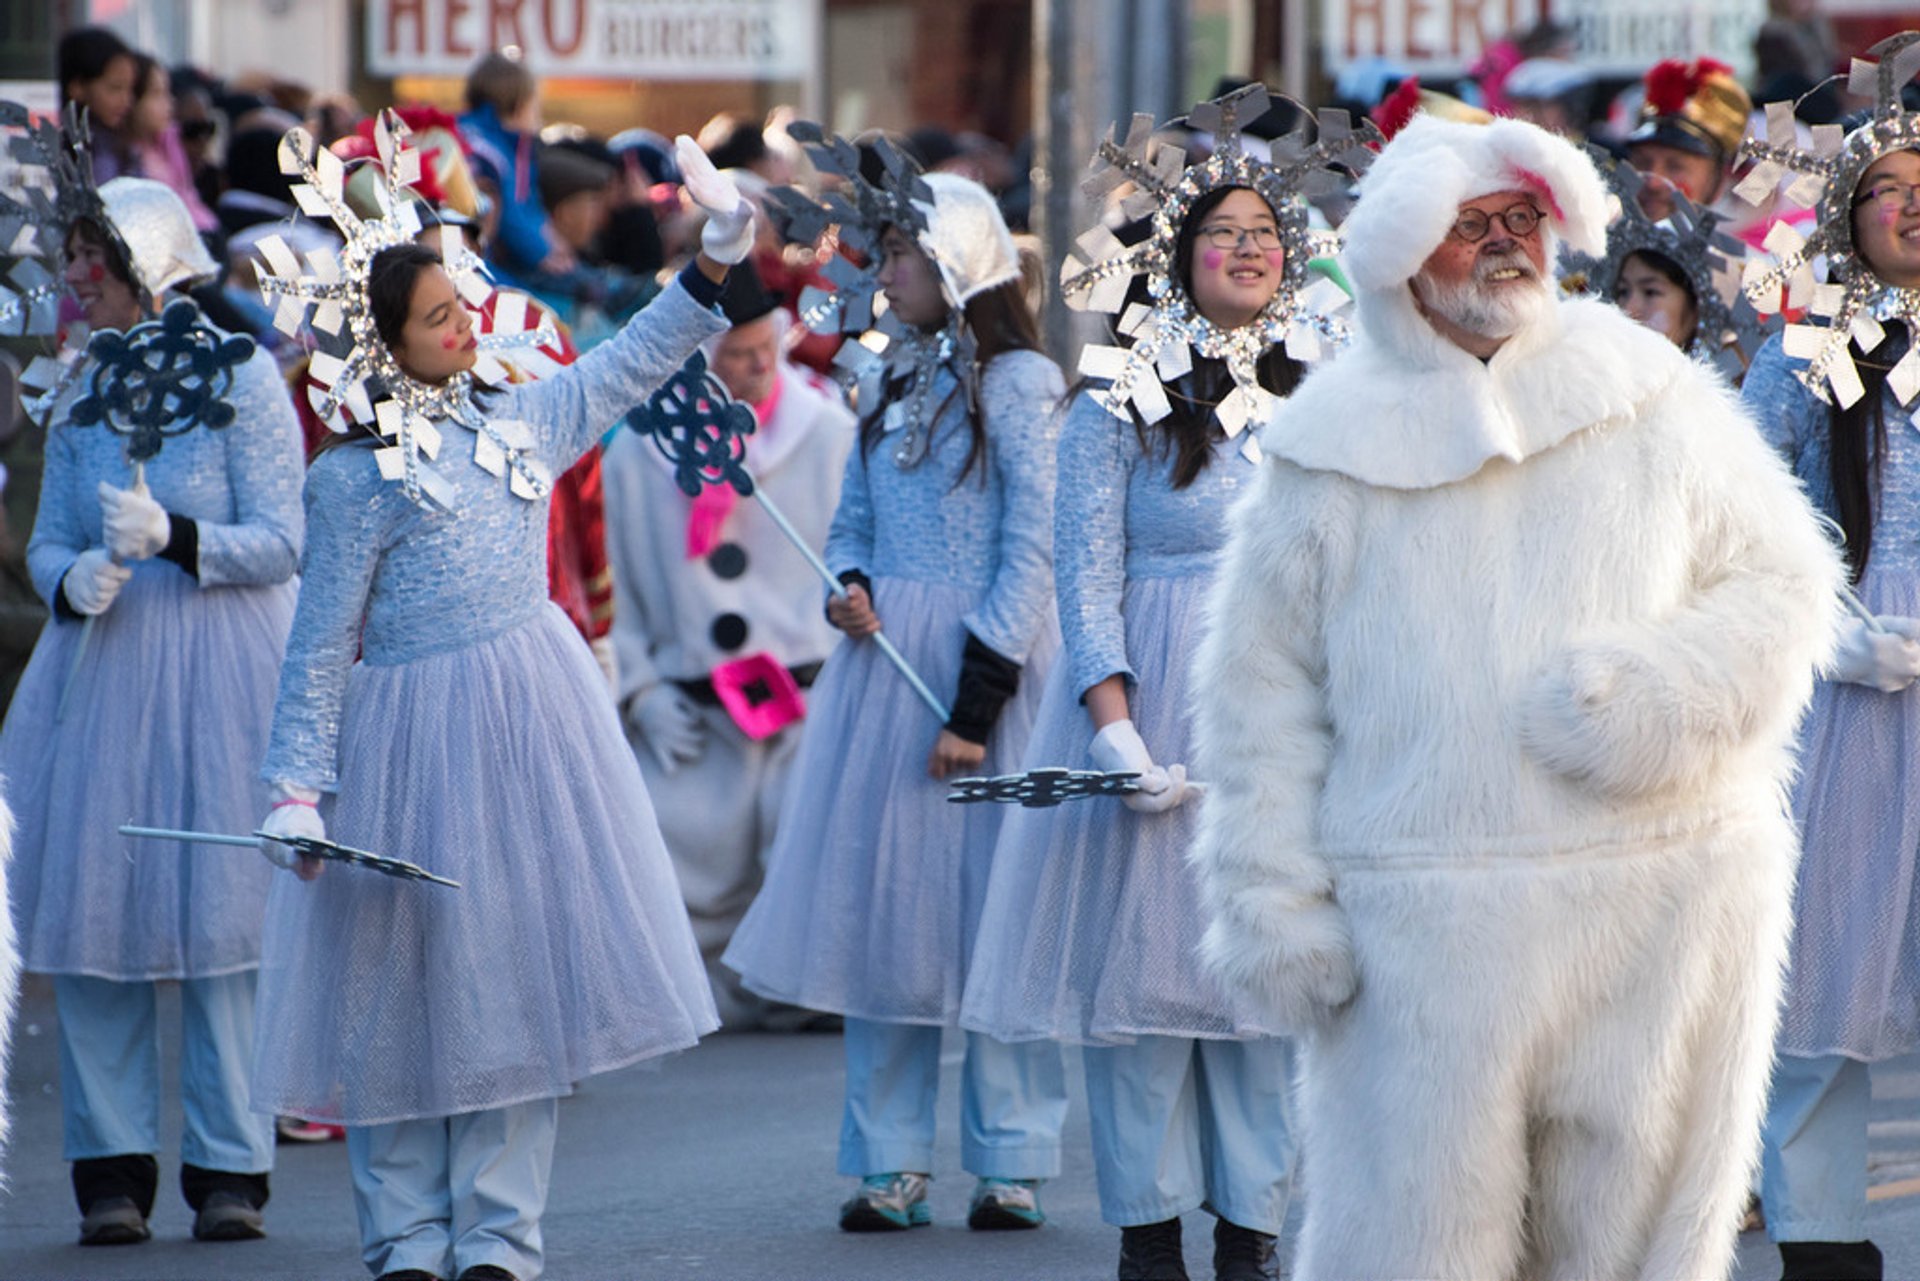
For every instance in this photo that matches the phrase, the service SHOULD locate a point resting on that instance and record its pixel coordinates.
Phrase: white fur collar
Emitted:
(1403, 408)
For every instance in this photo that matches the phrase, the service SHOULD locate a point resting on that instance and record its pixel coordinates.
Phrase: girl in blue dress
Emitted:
(874, 883)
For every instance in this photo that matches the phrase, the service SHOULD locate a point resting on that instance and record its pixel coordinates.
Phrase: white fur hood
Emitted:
(1404, 408)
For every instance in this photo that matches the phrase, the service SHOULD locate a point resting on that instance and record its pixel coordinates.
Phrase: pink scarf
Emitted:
(715, 503)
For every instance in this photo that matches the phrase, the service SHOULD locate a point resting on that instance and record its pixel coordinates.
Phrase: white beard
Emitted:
(1486, 309)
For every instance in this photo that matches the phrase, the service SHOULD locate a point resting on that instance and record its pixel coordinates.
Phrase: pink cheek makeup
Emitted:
(1212, 259)
(449, 342)
(1275, 257)
(96, 273)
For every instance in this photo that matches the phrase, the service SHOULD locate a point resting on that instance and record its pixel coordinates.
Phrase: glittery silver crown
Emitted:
(882, 349)
(1855, 302)
(1728, 329)
(367, 385)
(1137, 178)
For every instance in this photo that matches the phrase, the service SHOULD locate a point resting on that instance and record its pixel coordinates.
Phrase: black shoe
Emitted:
(228, 1216)
(1241, 1254)
(113, 1220)
(487, 1272)
(407, 1274)
(1151, 1252)
(1830, 1261)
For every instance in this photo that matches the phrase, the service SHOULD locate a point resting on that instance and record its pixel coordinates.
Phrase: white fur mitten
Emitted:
(1887, 660)
(1604, 716)
(1290, 951)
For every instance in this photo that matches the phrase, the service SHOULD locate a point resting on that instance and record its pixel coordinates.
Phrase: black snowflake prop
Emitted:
(1043, 788)
(160, 379)
(699, 428)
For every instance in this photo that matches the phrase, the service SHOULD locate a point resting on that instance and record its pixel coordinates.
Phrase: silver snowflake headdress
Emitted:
(367, 385)
(1727, 328)
(51, 184)
(881, 348)
(1138, 179)
(1855, 302)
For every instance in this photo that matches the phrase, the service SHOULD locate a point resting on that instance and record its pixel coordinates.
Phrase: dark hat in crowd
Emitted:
(253, 164)
(745, 299)
(565, 171)
(741, 146)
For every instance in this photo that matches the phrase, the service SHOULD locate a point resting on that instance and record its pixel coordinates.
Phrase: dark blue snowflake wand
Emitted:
(703, 432)
(159, 379)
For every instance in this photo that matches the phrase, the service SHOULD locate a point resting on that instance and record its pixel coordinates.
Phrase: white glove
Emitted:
(1118, 746)
(728, 235)
(1888, 661)
(661, 715)
(137, 527)
(93, 581)
(295, 812)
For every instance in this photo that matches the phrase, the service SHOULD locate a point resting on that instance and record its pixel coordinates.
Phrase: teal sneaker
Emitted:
(1000, 1205)
(887, 1203)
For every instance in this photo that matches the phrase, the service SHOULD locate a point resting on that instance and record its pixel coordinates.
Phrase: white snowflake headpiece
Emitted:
(1155, 180)
(954, 222)
(1727, 329)
(367, 385)
(1855, 302)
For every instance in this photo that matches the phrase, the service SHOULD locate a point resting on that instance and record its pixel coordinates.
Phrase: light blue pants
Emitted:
(1013, 1101)
(110, 1071)
(448, 1193)
(1178, 1124)
(1813, 1170)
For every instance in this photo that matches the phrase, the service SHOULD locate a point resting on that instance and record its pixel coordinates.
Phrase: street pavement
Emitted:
(716, 1164)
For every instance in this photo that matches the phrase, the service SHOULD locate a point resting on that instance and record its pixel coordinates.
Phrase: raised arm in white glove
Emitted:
(93, 581)
(661, 715)
(728, 236)
(1888, 661)
(1118, 746)
(295, 812)
(136, 526)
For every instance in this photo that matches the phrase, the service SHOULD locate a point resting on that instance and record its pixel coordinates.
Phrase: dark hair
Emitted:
(1670, 271)
(1856, 442)
(1000, 322)
(100, 238)
(499, 82)
(391, 277)
(1189, 431)
(85, 55)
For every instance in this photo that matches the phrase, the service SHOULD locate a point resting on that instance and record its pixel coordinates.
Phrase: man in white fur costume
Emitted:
(1497, 699)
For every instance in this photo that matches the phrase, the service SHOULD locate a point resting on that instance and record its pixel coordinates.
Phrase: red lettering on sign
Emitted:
(1416, 45)
(1371, 12)
(453, 42)
(563, 47)
(412, 12)
(503, 24)
(1469, 33)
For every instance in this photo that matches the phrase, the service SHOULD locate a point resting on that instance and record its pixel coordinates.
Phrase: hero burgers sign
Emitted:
(612, 39)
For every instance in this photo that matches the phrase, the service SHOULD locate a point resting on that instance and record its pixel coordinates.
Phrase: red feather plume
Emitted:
(1393, 112)
(1670, 83)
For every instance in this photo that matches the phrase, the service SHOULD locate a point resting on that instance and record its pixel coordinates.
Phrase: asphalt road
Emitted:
(716, 1164)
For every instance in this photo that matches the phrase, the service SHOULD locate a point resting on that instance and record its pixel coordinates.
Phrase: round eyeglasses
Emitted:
(1519, 220)
(1225, 237)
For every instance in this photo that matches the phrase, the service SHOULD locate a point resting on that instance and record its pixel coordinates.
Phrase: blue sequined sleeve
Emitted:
(1097, 455)
(571, 410)
(1790, 417)
(850, 536)
(264, 470)
(58, 536)
(1019, 402)
(352, 517)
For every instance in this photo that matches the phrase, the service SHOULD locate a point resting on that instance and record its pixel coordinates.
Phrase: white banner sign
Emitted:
(1421, 36)
(605, 39)
(1445, 37)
